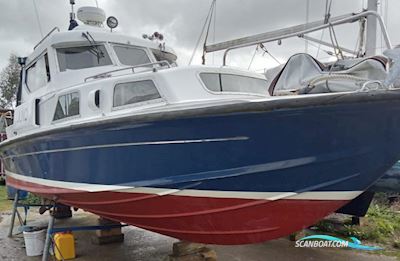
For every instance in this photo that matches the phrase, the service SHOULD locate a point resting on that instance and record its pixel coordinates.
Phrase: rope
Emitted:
(202, 32)
(361, 39)
(37, 18)
(336, 77)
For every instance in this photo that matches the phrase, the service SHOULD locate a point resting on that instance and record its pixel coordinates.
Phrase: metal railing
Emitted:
(108, 73)
(47, 35)
(296, 31)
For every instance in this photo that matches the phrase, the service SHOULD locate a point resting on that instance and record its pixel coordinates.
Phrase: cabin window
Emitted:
(67, 106)
(233, 83)
(75, 58)
(135, 92)
(38, 74)
(131, 56)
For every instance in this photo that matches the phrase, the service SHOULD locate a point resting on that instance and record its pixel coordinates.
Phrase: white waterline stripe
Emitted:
(130, 144)
(66, 185)
(314, 195)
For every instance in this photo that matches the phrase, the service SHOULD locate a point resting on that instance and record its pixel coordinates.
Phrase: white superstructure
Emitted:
(90, 73)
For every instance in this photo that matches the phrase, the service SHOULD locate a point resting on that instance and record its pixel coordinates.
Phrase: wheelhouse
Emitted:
(89, 73)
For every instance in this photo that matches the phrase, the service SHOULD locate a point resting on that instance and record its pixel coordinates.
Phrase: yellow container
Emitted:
(64, 246)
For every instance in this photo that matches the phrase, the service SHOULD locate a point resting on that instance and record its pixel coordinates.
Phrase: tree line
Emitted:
(9, 80)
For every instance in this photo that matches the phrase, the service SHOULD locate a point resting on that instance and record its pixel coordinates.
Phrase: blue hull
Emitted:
(339, 147)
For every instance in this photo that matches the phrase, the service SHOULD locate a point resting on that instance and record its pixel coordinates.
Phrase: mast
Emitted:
(370, 48)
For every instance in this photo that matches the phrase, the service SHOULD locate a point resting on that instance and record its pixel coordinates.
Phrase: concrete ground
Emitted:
(144, 245)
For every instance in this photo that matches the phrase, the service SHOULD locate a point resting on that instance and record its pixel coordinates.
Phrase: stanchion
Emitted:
(14, 213)
(48, 237)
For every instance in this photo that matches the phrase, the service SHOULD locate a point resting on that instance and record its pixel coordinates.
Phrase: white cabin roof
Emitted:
(73, 37)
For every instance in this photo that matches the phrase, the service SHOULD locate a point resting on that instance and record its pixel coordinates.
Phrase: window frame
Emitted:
(160, 100)
(145, 49)
(230, 92)
(68, 117)
(45, 56)
(104, 44)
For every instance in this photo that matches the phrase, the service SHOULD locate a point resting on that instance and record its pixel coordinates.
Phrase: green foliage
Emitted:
(326, 226)
(396, 242)
(32, 199)
(9, 79)
(381, 225)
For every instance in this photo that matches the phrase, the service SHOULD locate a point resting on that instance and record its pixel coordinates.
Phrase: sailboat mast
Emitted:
(372, 25)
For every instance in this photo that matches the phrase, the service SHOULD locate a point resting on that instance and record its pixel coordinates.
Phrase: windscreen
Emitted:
(75, 58)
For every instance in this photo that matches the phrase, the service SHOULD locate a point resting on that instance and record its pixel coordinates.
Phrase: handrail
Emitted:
(107, 74)
(295, 31)
(47, 35)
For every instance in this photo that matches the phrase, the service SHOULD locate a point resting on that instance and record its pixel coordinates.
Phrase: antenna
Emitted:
(72, 21)
(72, 14)
(37, 18)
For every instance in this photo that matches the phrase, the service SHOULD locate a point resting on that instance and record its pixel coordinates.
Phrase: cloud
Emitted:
(181, 21)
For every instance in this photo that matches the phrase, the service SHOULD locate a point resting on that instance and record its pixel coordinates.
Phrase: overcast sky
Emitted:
(181, 22)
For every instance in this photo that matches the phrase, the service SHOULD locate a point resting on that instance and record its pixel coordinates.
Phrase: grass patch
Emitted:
(5, 204)
(381, 226)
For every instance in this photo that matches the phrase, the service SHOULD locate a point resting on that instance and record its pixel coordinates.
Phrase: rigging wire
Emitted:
(203, 57)
(387, 14)
(328, 8)
(267, 52)
(252, 58)
(307, 21)
(386, 18)
(335, 43)
(207, 21)
(37, 18)
(327, 16)
(332, 34)
(382, 15)
(214, 27)
(330, 53)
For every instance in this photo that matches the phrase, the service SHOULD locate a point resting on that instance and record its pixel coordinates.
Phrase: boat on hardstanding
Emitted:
(110, 124)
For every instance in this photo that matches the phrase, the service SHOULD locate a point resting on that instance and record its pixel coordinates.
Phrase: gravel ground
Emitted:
(143, 245)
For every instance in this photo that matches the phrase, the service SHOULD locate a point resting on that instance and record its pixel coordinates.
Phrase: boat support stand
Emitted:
(14, 213)
(50, 227)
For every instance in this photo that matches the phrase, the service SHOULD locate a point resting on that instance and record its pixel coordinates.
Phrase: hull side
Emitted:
(233, 178)
(201, 218)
